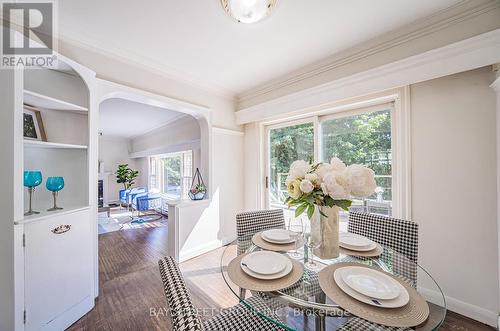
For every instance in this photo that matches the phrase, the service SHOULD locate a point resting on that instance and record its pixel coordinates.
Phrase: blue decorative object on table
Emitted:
(54, 184)
(31, 180)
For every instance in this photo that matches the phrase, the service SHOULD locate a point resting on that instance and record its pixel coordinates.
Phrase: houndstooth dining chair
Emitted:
(251, 222)
(399, 235)
(183, 313)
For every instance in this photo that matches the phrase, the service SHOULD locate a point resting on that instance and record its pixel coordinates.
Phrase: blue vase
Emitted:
(31, 180)
(54, 184)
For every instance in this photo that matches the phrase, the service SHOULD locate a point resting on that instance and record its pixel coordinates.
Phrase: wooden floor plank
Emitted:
(130, 286)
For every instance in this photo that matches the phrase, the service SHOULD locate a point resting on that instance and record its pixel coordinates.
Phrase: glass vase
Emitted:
(325, 229)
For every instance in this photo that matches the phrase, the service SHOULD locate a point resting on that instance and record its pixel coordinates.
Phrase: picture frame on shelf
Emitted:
(33, 128)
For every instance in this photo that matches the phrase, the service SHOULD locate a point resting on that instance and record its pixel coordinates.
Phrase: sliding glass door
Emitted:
(287, 143)
(363, 136)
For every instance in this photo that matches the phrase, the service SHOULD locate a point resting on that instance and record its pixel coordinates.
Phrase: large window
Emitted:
(363, 136)
(171, 174)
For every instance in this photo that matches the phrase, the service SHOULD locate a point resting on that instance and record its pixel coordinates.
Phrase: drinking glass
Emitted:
(55, 184)
(296, 230)
(312, 243)
(31, 180)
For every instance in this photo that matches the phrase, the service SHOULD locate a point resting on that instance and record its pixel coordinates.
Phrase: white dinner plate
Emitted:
(265, 262)
(401, 300)
(356, 242)
(277, 236)
(371, 283)
(286, 271)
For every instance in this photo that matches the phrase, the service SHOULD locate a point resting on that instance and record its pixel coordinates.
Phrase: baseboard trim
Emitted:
(66, 319)
(463, 308)
(197, 251)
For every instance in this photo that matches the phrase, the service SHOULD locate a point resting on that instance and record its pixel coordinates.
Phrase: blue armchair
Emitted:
(147, 201)
(126, 196)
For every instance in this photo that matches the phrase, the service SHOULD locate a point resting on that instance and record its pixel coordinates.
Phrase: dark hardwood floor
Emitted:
(131, 294)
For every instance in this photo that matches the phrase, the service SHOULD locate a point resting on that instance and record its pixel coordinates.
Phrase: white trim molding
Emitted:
(475, 312)
(216, 129)
(426, 31)
(496, 87)
(468, 54)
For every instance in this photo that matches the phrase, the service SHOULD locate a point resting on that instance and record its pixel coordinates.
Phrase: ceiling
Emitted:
(196, 41)
(119, 118)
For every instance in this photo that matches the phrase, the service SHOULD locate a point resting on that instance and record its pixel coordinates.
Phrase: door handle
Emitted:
(61, 229)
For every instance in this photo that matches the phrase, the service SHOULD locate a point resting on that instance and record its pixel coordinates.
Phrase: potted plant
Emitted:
(198, 189)
(126, 176)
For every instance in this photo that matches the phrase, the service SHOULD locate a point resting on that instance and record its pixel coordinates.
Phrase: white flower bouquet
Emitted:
(327, 184)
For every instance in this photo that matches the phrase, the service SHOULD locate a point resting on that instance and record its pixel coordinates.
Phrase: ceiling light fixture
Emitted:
(248, 11)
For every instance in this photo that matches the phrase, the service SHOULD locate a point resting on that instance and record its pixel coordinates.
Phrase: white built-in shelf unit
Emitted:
(61, 98)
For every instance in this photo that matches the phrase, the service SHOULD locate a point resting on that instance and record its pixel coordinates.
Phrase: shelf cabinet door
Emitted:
(58, 271)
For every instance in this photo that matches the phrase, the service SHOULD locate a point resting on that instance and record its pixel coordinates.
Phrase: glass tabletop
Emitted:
(305, 306)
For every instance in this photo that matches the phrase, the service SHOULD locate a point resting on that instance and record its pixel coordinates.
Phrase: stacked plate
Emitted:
(356, 242)
(266, 265)
(277, 236)
(371, 287)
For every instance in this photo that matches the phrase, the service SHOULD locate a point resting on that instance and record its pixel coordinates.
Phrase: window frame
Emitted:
(160, 175)
(398, 101)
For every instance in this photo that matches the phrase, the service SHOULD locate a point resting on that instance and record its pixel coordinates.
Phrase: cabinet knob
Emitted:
(61, 229)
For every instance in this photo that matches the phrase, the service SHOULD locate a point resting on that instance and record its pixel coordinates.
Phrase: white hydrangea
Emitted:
(361, 180)
(306, 186)
(312, 177)
(323, 170)
(336, 185)
(337, 164)
(298, 169)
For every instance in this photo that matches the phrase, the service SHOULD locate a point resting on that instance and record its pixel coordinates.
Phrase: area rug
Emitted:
(122, 220)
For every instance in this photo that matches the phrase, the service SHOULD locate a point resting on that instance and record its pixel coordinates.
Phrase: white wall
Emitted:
(170, 137)
(229, 178)
(454, 188)
(112, 152)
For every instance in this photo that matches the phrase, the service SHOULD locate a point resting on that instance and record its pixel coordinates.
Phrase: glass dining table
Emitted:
(304, 305)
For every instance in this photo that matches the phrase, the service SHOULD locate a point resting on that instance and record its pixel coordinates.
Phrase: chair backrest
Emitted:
(249, 223)
(399, 235)
(182, 312)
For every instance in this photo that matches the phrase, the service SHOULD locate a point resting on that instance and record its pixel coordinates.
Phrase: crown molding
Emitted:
(468, 54)
(148, 64)
(462, 11)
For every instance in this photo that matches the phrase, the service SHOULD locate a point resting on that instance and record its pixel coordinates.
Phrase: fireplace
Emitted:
(100, 193)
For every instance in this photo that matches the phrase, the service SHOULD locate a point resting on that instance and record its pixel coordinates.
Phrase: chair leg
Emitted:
(243, 292)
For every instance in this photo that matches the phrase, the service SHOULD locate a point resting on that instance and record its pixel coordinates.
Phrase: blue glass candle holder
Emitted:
(31, 180)
(54, 184)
